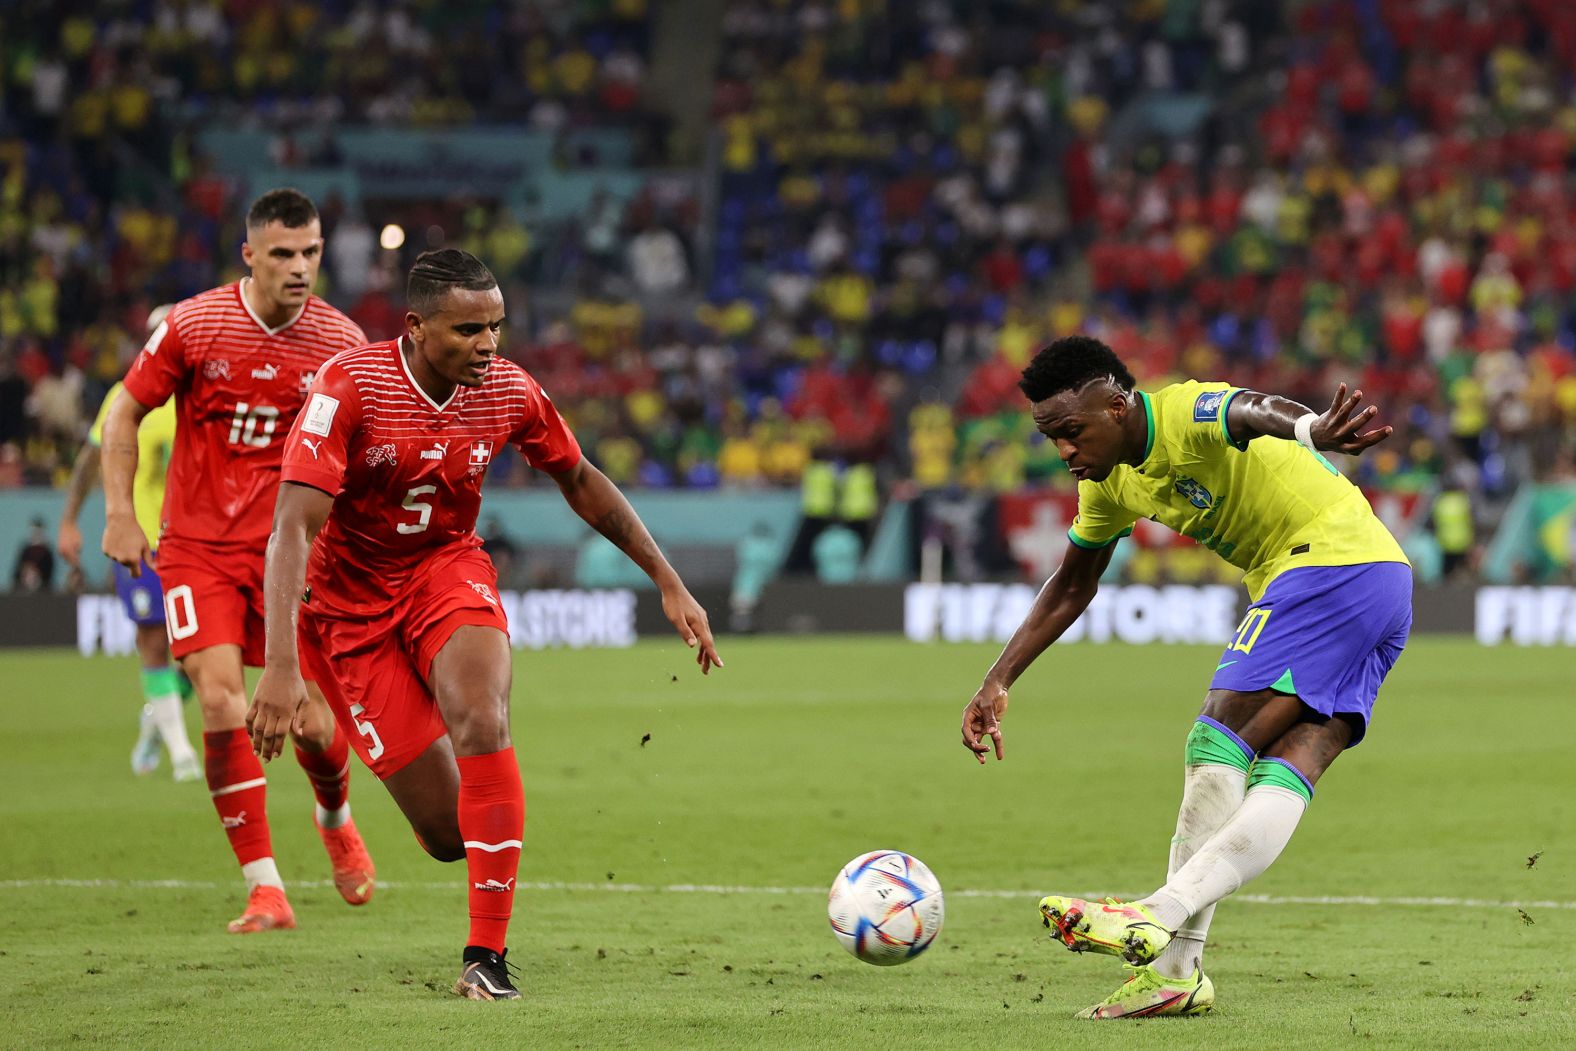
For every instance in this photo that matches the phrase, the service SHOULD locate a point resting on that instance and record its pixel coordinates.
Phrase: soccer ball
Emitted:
(885, 907)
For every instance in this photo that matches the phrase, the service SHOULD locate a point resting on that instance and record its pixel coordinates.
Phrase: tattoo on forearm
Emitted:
(614, 525)
(623, 529)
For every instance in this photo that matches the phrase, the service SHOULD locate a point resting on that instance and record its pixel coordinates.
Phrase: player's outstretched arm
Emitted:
(84, 474)
(1060, 602)
(280, 697)
(124, 540)
(598, 501)
(1337, 429)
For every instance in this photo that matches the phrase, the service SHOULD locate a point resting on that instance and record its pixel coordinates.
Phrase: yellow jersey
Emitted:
(1265, 506)
(155, 440)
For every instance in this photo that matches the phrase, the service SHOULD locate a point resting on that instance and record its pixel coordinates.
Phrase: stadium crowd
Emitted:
(911, 198)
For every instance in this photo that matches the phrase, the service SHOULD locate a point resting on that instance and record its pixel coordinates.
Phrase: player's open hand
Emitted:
(687, 615)
(1340, 428)
(277, 707)
(125, 542)
(982, 719)
(68, 541)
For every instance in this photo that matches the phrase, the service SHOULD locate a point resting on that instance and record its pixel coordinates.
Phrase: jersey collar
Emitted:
(399, 352)
(1149, 423)
(240, 291)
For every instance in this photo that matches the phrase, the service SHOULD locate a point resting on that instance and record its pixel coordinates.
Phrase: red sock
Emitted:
(328, 770)
(492, 820)
(240, 793)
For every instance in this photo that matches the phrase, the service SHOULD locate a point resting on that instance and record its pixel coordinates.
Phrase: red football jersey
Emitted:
(238, 386)
(406, 472)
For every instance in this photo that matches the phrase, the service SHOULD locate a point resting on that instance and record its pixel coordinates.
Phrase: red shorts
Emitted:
(212, 596)
(374, 671)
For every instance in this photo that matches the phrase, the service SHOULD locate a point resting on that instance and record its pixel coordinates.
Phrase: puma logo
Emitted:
(310, 444)
(495, 886)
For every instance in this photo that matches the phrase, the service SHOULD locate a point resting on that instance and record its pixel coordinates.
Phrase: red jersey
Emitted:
(406, 472)
(238, 386)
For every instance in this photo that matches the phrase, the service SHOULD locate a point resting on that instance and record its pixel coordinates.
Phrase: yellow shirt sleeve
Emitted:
(96, 434)
(1100, 521)
(1194, 416)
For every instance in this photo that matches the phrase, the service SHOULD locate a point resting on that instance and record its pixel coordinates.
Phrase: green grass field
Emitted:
(674, 891)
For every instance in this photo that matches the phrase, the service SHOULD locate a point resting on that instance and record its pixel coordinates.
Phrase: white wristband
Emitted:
(1304, 430)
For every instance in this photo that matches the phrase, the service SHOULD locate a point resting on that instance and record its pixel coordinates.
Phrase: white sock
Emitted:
(262, 873)
(1211, 793)
(333, 818)
(168, 717)
(1242, 849)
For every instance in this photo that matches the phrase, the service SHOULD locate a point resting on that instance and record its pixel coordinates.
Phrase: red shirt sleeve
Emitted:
(543, 436)
(318, 449)
(159, 368)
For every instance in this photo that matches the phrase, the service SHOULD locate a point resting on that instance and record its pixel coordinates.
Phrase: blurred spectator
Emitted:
(503, 551)
(350, 253)
(858, 501)
(837, 551)
(817, 510)
(35, 562)
(1453, 529)
(656, 261)
(756, 559)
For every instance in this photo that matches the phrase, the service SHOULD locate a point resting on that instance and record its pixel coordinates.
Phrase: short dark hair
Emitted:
(288, 206)
(1068, 364)
(437, 273)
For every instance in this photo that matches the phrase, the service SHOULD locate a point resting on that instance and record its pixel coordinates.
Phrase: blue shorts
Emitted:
(141, 597)
(1328, 634)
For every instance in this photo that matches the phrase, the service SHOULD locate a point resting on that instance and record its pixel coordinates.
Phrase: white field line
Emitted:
(713, 888)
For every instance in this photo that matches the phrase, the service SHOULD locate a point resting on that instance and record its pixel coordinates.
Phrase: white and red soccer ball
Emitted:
(885, 907)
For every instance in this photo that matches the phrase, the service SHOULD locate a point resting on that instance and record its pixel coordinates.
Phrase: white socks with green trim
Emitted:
(1211, 793)
(1240, 850)
(171, 722)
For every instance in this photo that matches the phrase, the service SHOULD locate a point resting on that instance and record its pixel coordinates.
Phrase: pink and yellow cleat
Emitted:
(1150, 994)
(1116, 928)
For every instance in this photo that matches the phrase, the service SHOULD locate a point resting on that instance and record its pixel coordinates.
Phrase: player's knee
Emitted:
(317, 728)
(481, 736)
(478, 722)
(223, 706)
(315, 738)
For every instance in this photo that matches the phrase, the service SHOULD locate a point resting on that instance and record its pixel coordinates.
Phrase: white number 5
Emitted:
(367, 730)
(420, 507)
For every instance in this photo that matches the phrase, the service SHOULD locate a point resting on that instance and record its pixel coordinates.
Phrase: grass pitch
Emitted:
(674, 890)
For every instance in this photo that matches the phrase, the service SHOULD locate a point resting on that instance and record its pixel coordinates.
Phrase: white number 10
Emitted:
(243, 429)
(420, 507)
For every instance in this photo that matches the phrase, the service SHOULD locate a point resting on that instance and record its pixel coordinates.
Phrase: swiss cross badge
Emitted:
(481, 455)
